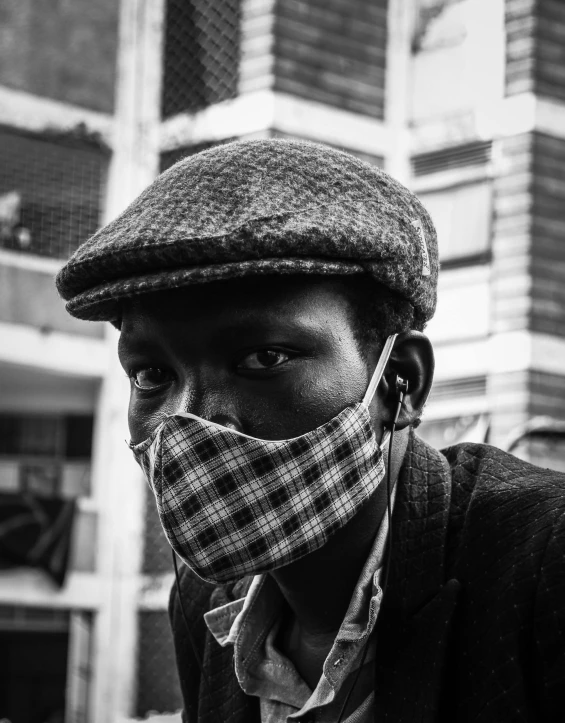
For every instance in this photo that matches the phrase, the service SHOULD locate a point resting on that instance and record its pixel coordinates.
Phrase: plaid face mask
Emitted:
(233, 505)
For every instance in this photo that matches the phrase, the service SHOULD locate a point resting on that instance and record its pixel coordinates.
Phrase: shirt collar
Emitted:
(264, 598)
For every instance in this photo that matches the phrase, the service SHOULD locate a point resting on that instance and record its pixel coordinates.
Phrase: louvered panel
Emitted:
(37, 619)
(458, 388)
(446, 159)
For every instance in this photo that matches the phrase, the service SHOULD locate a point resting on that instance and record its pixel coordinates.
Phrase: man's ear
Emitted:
(412, 359)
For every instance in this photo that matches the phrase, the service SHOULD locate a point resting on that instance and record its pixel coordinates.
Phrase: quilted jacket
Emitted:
(472, 627)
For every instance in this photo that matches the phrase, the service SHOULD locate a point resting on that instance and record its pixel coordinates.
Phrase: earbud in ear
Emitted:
(401, 388)
(401, 391)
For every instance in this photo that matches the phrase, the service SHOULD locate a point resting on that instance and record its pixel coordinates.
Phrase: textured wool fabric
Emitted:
(472, 625)
(232, 505)
(258, 207)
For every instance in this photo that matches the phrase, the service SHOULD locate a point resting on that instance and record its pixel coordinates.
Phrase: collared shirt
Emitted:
(251, 624)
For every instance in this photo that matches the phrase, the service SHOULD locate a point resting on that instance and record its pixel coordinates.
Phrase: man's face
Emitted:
(273, 358)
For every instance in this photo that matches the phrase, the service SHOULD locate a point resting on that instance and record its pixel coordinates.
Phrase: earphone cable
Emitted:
(388, 556)
(389, 511)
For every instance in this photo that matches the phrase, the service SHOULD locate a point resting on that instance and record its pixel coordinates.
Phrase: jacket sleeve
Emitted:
(549, 627)
(195, 599)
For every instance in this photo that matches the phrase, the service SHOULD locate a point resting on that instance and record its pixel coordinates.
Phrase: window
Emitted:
(50, 194)
(46, 454)
(462, 217)
(49, 455)
(201, 64)
(46, 663)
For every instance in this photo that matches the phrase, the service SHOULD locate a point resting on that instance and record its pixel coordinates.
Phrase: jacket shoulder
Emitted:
(498, 499)
(484, 469)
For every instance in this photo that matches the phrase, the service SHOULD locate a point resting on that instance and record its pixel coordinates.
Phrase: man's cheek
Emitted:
(143, 419)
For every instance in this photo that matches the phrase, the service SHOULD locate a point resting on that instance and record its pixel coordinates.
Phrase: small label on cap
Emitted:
(426, 268)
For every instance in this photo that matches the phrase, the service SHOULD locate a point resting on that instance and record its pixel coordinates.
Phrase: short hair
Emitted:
(378, 311)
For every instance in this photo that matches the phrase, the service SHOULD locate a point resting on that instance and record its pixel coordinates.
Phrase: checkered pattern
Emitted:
(232, 505)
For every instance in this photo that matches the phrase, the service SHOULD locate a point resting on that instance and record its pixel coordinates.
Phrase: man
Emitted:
(271, 297)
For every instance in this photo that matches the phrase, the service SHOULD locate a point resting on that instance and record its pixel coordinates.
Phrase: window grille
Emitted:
(202, 46)
(169, 158)
(156, 548)
(158, 687)
(50, 194)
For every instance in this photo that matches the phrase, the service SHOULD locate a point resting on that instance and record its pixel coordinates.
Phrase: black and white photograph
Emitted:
(282, 361)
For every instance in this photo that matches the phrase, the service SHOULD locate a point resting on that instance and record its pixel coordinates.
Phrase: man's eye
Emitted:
(265, 359)
(150, 378)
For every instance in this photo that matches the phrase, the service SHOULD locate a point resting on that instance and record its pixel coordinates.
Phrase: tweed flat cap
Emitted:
(258, 207)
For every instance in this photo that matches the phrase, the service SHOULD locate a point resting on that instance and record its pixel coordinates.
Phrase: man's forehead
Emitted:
(250, 292)
(266, 300)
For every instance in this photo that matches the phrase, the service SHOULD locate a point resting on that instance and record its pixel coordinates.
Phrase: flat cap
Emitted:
(258, 207)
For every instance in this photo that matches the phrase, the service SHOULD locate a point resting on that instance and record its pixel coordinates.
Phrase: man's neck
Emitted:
(318, 588)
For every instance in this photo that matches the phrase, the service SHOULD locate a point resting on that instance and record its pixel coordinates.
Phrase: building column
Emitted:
(507, 381)
(117, 480)
(528, 258)
(401, 20)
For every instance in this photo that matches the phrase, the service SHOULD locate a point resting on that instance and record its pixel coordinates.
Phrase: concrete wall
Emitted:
(535, 59)
(511, 235)
(528, 264)
(547, 266)
(61, 49)
(520, 45)
(29, 297)
(550, 49)
(333, 52)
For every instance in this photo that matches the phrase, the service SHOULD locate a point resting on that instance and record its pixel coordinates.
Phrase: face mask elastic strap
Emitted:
(379, 370)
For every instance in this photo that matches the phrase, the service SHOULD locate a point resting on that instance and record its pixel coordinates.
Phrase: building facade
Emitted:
(461, 100)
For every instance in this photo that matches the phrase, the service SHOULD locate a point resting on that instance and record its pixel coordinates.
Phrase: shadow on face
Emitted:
(273, 357)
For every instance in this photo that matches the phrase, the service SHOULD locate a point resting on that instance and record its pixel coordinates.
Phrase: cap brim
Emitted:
(102, 303)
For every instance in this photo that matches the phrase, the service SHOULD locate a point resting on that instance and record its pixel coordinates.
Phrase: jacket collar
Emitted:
(419, 528)
(413, 631)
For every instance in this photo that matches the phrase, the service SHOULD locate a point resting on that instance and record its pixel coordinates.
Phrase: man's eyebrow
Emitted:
(233, 326)
(261, 321)
(133, 342)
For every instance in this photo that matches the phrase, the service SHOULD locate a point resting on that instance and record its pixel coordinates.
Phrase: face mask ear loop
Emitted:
(389, 508)
(387, 568)
(389, 487)
(388, 437)
(379, 370)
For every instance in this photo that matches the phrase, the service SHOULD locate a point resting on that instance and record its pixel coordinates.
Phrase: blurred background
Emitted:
(462, 100)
